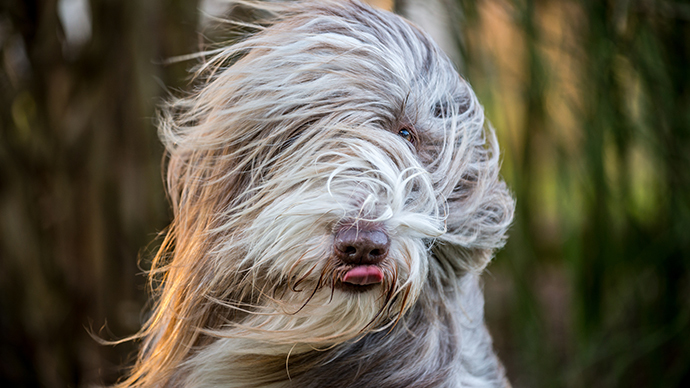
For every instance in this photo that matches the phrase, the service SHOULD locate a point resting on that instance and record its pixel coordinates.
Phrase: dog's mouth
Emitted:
(360, 278)
(363, 275)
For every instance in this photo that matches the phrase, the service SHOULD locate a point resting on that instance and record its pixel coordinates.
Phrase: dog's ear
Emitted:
(460, 151)
(474, 231)
(479, 209)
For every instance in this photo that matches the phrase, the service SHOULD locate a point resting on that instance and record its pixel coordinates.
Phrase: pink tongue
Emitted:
(363, 275)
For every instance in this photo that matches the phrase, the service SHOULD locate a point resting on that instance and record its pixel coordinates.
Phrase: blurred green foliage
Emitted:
(599, 160)
(591, 101)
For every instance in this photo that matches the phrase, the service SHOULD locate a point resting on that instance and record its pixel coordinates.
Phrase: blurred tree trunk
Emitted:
(80, 182)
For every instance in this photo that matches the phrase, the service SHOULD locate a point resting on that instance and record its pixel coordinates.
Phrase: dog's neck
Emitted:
(441, 342)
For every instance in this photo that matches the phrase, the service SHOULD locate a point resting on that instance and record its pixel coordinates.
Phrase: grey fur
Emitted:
(294, 132)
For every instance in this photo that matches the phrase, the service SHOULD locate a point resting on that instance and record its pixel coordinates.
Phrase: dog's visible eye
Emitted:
(407, 135)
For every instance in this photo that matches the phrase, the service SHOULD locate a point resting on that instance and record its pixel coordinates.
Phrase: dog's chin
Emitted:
(357, 288)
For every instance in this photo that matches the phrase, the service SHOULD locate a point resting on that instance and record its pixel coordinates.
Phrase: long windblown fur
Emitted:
(332, 115)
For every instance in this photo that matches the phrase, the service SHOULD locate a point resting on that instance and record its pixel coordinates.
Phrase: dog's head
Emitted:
(328, 169)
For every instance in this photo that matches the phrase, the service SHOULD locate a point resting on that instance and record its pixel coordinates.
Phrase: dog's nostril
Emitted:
(350, 250)
(357, 246)
(375, 252)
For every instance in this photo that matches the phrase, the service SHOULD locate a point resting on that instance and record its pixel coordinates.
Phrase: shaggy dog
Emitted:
(336, 195)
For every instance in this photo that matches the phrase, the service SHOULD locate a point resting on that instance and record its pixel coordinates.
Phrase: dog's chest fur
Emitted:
(437, 344)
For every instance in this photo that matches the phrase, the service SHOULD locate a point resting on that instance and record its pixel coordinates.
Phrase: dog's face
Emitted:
(323, 180)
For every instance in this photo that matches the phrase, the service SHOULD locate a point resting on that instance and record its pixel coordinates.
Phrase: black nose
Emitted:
(357, 244)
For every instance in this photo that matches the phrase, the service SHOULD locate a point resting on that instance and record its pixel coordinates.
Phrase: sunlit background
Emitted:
(591, 103)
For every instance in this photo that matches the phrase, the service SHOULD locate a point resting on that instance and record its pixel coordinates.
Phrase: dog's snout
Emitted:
(355, 245)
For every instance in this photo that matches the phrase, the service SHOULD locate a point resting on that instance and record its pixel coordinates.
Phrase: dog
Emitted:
(336, 196)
